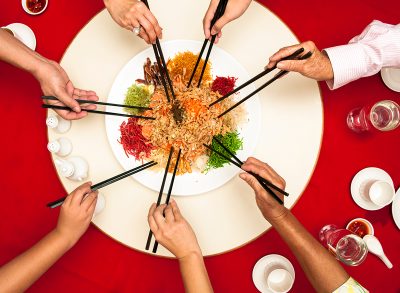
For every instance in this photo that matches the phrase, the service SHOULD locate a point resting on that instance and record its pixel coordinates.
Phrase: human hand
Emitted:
(130, 14)
(172, 231)
(268, 206)
(76, 213)
(234, 9)
(54, 81)
(317, 67)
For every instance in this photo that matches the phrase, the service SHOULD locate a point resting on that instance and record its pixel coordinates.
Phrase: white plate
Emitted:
(391, 77)
(271, 261)
(223, 64)
(396, 208)
(362, 176)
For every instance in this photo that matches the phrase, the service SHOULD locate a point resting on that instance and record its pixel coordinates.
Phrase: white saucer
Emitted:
(367, 174)
(269, 261)
(396, 208)
(391, 77)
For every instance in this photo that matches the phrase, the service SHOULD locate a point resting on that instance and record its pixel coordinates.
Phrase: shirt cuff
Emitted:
(348, 64)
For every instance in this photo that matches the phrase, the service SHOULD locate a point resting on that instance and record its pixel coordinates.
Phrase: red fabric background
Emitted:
(99, 264)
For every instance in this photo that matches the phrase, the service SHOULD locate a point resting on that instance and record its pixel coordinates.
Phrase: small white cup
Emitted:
(280, 281)
(381, 193)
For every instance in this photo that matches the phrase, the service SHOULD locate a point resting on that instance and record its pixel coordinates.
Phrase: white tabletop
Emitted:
(292, 125)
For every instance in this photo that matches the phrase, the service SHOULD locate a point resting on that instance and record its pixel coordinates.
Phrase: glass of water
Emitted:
(384, 116)
(347, 247)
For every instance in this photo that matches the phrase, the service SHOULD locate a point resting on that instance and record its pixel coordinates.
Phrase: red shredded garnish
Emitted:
(133, 141)
(223, 85)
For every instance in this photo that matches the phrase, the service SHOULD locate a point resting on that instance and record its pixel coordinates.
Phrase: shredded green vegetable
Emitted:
(137, 95)
(232, 141)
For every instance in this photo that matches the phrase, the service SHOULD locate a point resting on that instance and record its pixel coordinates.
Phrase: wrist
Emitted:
(280, 215)
(67, 240)
(192, 256)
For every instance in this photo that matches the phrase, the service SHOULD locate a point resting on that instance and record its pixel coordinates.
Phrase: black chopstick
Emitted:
(224, 3)
(97, 112)
(99, 103)
(258, 76)
(277, 76)
(171, 151)
(162, 65)
(218, 13)
(106, 182)
(169, 191)
(258, 177)
(265, 183)
(240, 166)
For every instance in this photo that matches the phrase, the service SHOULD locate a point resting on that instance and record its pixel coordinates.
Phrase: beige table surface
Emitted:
(292, 126)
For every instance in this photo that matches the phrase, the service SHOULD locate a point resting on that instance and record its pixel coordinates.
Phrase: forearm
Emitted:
(16, 53)
(378, 46)
(20, 273)
(194, 274)
(321, 268)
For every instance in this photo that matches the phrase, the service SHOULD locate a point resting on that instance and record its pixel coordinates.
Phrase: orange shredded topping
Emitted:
(183, 64)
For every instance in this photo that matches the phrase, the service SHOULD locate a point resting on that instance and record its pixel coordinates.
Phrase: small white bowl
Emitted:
(25, 7)
(23, 33)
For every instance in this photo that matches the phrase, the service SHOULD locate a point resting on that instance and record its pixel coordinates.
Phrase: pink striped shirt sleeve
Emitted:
(376, 47)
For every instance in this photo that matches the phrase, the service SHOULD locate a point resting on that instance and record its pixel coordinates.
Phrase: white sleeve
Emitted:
(376, 47)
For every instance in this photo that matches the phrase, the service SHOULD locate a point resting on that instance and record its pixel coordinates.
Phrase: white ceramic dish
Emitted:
(367, 174)
(391, 78)
(269, 262)
(25, 7)
(223, 64)
(396, 208)
(23, 33)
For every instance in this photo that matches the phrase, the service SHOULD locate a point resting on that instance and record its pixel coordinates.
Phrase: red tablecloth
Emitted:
(99, 264)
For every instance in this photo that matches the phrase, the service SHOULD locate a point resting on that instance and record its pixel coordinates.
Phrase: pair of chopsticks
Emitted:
(268, 186)
(218, 13)
(277, 76)
(109, 181)
(161, 192)
(162, 65)
(55, 107)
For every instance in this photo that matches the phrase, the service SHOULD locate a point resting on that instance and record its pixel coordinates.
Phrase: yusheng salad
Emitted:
(186, 122)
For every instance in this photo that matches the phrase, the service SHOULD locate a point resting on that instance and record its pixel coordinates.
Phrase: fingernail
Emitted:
(76, 109)
(280, 65)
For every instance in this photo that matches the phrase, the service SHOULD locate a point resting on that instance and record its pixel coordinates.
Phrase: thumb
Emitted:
(221, 22)
(291, 65)
(251, 180)
(68, 101)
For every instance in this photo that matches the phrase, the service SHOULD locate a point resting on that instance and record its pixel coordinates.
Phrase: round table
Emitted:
(97, 263)
(223, 218)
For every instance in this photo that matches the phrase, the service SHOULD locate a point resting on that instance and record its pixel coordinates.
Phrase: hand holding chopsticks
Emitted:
(109, 181)
(219, 12)
(238, 163)
(56, 107)
(276, 77)
(161, 192)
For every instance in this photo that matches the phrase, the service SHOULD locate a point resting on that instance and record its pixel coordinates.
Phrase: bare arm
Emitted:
(53, 80)
(175, 234)
(321, 268)
(76, 213)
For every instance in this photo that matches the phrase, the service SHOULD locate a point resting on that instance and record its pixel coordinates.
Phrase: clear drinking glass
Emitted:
(347, 247)
(384, 116)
